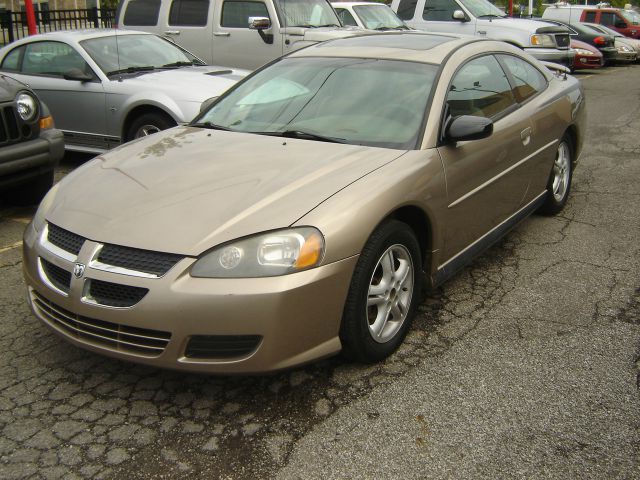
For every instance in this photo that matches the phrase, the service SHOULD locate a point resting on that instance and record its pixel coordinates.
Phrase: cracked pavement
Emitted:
(525, 365)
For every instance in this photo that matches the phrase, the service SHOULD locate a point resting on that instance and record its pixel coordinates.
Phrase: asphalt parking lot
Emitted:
(525, 365)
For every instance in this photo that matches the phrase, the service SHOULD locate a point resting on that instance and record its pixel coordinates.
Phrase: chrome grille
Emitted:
(155, 263)
(59, 277)
(115, 294)
(64, 239)
(110, 335)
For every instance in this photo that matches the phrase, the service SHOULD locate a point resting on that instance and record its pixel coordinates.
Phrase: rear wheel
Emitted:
(148, 124)
(31, 192)
(383, 295)
(559, 183)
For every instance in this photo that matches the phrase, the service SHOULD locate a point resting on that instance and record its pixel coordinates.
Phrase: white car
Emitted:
(368, 15)
(106, 87)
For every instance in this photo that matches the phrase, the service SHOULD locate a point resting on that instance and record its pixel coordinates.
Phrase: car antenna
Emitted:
(115, 30)
(284, 30)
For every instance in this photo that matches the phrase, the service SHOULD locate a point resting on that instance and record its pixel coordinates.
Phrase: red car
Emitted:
(587, 56)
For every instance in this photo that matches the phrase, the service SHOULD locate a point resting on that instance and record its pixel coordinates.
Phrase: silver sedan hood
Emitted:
(188, 189)
(202, 82)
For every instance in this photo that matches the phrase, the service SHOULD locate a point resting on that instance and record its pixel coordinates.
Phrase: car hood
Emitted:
(325, 33)
(527, 25)
(9, 86)
(203, 82)
(188, 189)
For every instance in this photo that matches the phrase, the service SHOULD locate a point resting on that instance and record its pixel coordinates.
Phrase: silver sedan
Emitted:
(106, 87)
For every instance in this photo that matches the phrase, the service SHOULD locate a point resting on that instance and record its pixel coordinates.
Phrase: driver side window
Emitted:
(440, 10)
(52, 58)
(480, 88)
(235, 14)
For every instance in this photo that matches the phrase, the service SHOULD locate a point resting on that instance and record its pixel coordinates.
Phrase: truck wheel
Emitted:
(32, 192)
(148, 124)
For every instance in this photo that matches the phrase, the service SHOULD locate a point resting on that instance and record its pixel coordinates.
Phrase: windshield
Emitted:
(358, 101)
(306, 13)
(631, 16)
(480, 8)
(378, 17)
(117, 53)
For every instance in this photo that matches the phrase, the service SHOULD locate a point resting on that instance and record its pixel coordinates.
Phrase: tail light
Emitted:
(600, 41)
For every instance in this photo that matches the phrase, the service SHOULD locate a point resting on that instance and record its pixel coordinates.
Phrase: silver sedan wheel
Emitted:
(561, 171)
(390, 291)
(146, 130)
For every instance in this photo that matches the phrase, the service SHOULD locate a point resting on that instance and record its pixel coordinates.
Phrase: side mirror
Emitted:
(77, 75)
(468, 127)
(207, 103)
(259, 23)
(459, 15)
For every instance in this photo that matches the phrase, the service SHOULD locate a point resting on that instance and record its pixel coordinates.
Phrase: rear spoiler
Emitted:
(556, 68)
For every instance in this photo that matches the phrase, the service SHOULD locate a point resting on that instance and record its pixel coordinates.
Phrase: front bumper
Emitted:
(563, 57)
(626, 57)
(22, 161)
(297, 316)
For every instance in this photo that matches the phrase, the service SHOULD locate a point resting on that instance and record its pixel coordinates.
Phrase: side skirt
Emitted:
(452, 266)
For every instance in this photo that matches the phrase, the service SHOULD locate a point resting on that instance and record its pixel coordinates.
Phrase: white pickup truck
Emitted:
(542, 40)
(238, 33)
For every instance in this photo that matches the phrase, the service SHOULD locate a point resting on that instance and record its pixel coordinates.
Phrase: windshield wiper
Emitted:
(139, 68)
(308, 25)
(399, 27)
(181, 64)
(303, 136)
(211, 126)
(491, 15)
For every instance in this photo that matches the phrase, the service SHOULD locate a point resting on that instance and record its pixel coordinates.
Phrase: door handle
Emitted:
(221, 34)
(525, 136)
(172, 32)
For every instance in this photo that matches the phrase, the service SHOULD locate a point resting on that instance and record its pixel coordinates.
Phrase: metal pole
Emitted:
(31, 17)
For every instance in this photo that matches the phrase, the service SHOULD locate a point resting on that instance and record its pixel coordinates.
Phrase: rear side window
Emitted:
(406, 9)
(235, 14)
(346, 18)
(590, 17)
(52, 58)
(480, 88)
(527, 79)
(189, 13)
(142, 13)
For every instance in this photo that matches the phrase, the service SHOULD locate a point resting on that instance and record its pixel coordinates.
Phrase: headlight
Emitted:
(46, 203)
(624, 49)
(265, 255)
(543, 41)
(582, 51)
(27, 106)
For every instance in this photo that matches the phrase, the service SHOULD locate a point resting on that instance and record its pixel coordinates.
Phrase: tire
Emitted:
(31, 192)
(559, 183)
(148, 124)
(378, 313)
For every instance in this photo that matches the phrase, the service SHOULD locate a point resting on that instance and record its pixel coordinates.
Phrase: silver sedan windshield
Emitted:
(122, 53)
(348, 100)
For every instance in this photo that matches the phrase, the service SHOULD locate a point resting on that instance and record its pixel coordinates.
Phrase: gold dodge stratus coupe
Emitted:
(303, 212)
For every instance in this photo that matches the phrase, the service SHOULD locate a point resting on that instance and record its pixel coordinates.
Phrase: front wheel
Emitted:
(148, 124)
(559, 183)
(383, 295)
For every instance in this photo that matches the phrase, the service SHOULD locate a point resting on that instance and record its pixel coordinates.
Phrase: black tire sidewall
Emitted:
(356, 339)
(551, 206)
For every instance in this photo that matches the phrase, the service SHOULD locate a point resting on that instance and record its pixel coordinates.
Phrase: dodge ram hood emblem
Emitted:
(78, 270)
